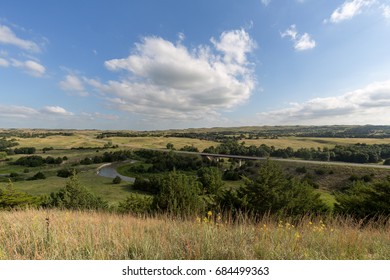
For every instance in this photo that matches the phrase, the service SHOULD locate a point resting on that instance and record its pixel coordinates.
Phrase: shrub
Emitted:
(117, 180)
(178, 195)
(11, 198)
(301, 169)
(211, 179)
(30, 161)
(65, 173)
(38, 176)
(365, 200)
(75, 196)
(271, 192)
(136, 204)
(320, 171)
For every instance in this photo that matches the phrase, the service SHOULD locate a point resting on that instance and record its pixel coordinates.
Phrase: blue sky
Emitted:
(154, 64)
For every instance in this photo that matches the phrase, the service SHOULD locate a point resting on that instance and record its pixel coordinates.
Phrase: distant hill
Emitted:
(334, 131)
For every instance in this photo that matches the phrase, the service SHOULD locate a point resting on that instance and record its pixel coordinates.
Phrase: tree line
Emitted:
(357, 153)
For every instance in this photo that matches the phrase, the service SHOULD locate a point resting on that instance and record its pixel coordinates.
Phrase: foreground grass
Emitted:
(54, 234)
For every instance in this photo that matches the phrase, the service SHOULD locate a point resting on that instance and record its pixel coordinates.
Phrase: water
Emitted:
(109, 171)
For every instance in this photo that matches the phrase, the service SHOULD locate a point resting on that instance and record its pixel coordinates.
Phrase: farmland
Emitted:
(218, 200)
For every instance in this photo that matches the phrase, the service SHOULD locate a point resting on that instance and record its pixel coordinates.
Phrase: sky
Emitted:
(152, 64)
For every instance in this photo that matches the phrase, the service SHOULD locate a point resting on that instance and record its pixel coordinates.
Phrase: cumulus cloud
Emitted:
(73, 84)
(301, 42)
(168, 80)
(34, 68)
(56, 110)
(31, 67)
(370, 104)
(349, 9)
(7, 36)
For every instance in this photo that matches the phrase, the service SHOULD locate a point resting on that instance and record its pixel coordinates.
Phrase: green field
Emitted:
(88, 139)
(101, 186)
(64, 234)
(312, 142)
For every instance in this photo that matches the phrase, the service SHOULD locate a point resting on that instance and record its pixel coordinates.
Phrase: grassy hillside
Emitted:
(313, 142)
(56, 234)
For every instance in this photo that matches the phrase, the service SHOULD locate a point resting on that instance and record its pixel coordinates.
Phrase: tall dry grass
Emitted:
(55, 234)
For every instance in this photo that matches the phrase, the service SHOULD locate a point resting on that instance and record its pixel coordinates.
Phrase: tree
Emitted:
(38, 176)
(211, 179)
(170, 146)
(75, 196)
(365, 200)
(271, 192)
(136, 204)
(11, 198)
(178, 195)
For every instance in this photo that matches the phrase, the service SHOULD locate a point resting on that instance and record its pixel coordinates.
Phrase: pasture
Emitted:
(67, 146)
(91, 235)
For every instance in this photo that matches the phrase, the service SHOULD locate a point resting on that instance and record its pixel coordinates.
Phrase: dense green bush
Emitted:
(136, 204)
(117, 180)
(178, 194)
(38, 176)
(34, 161)
(211, 180)
(11, 198)
(75, 196)
(270, 192)
(365, 200)
(66, 172)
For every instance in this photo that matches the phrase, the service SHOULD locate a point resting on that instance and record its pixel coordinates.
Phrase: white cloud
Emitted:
(265, 2)
(4, 62)
(17, 112)
(170, 81)
(56, 110)
(94, 116)
(7, 36)
(386, 11)
(304, 43)
(234, 45)
(31, 65)
(349, 9)
(33, 68)
(370, 104)
(301, 42)
(73, 84)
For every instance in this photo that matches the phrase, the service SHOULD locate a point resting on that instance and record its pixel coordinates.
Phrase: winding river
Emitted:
(109, 170)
